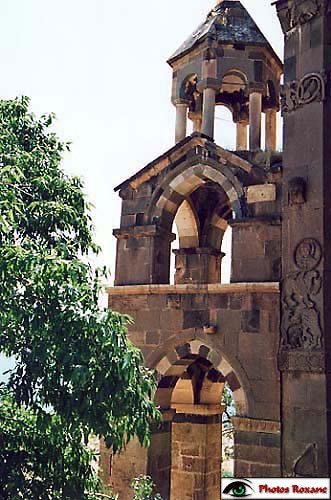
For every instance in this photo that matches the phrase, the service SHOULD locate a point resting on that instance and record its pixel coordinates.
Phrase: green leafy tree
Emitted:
(75, 369)
(143, 487)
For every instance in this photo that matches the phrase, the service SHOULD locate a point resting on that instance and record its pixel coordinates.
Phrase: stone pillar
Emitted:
(256, 447)
(143, 255)
(119, 470)
(181, 120)
(271, 129)
(241, 136)
(208, 117)
(197, 121)
(305, 347)
(256, 249)
(255, 110)
(198, 265)
(209, 86)
(196, 452)
(159, 454)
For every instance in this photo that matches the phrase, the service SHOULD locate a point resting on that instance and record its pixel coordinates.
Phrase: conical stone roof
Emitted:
(228, 22)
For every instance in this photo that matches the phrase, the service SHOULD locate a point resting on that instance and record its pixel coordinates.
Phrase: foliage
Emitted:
(228, 402)
(143, 489)
(75, 371)
(41, 459)
(226, 474)
(227, 427)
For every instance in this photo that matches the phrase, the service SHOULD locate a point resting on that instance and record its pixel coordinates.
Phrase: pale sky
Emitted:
(100, 65)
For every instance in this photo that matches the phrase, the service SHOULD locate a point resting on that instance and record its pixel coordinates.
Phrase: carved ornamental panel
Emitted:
(300, 12)
(301, 330)
(312, 87)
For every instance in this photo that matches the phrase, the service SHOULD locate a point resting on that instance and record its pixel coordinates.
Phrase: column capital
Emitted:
(177, 101)
(168, 414)
(256, 88)
(208, 83)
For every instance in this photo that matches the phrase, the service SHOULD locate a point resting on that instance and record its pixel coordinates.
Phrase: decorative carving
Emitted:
(306, 465)
(299, 13)
(300, 92)
(308, 254)
(297, 191)
(301, 326)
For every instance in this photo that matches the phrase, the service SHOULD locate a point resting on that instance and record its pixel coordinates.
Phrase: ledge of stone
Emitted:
(267, 287)
(191, 409)
(256, 425)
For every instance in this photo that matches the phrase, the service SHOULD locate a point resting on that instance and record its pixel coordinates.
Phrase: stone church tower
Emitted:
(263, 333)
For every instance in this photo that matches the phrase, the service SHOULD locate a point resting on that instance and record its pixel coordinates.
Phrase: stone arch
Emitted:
(178, 186)
(236, 80)
(173, 365)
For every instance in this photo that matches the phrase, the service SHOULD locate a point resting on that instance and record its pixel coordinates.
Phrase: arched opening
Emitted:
(204, 400)
(186, 229)
(199, 200)
(225, 128)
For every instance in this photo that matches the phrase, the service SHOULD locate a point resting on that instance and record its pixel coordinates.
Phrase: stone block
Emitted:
(261, 193)
(235, 302)
(270, 440)
(250, 321)
(156, 301)
(147, 320)
(193, 464)
(172, 319)
(153, 338)
(242, 469)
(247, 438)
(262, 470)
(195, 318)
(219, 301)
(190, 450)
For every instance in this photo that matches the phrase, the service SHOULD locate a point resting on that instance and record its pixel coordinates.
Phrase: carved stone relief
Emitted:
(299, 13)
(297, 191)
(301, 326)
(306, 465)
(312, 87)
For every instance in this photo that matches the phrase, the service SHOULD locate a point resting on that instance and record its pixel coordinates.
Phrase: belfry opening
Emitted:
(263, 334)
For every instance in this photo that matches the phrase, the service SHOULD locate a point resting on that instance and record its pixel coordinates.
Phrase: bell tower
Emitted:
(227, 61)
(199, 334)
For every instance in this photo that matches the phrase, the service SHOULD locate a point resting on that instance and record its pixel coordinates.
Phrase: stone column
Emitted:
(271, 129)
(255, 110)
(208, 117)
(118, 471)
(159, 454)
(143, 255)
(241, 136)
(181, 120)
(256, 247)
(209, 86)
(198, 265)
(197, 121)
(196, 452)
